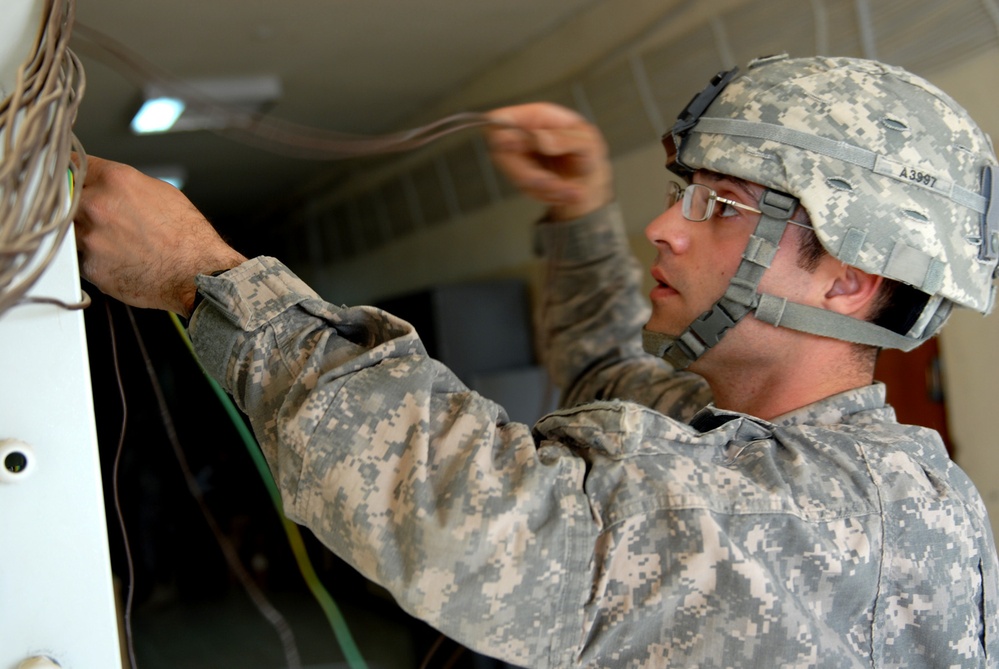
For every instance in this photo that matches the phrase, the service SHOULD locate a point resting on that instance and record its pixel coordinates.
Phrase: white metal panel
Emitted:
(56, 593)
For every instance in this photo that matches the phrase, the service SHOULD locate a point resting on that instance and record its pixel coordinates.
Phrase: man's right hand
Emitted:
(553, 155)
(141, 241)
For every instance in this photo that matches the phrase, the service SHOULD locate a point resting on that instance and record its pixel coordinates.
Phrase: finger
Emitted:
(536, 115)
(548, 152)
(516, 128)
(577, 140)
(534, 177)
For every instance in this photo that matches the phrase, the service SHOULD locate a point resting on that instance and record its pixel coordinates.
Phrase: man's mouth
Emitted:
(660, 278)
(663, 288)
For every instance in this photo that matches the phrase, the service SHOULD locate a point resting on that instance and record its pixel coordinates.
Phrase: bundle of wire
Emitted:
(37, 176)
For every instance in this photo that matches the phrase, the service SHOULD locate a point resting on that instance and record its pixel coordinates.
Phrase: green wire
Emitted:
(333, 614)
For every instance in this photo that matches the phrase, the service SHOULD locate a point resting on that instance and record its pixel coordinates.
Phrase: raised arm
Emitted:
(593, 310)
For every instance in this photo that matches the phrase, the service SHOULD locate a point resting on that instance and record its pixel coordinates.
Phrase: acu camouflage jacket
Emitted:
(609, 534)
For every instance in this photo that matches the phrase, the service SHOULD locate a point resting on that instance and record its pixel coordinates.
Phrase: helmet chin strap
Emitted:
(740, 297)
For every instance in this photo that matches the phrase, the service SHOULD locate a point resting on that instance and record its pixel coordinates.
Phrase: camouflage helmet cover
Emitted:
(895, 175)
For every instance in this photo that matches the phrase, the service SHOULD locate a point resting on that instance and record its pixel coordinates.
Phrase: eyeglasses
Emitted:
(699, 202)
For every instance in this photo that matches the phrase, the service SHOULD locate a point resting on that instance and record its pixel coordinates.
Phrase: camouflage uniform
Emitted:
(609, 535)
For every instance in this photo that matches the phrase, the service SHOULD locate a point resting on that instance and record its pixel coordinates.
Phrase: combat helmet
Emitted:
(896, 177)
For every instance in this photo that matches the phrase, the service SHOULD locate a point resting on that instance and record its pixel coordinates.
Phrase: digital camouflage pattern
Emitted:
(888, 166)
(609, 534)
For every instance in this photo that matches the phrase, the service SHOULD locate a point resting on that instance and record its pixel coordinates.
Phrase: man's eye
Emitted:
(725, 210)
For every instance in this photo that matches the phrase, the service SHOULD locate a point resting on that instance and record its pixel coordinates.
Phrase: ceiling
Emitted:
(344, 65)
(376, 66)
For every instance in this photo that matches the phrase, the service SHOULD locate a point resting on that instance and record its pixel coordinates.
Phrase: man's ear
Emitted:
(852, 291)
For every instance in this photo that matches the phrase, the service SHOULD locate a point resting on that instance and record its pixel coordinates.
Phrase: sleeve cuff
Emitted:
(253, 293)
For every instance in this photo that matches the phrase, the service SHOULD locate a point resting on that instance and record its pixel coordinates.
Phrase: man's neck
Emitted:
(790, 382)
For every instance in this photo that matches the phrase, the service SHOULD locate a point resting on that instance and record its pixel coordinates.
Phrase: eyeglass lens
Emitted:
(698, 200)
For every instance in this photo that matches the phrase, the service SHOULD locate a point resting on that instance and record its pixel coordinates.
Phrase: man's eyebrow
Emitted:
(745, 186)
(754, 192)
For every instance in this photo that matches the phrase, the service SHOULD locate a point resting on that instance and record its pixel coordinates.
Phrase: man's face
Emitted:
(695, 260)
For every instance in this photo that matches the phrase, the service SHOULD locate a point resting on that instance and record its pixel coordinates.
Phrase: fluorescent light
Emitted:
(205, 104)
(157, 115)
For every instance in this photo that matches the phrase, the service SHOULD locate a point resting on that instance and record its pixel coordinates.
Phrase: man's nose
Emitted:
(670, 230)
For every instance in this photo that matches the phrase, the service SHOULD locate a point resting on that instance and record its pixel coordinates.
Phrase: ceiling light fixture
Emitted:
(157, 115)
(205, 104)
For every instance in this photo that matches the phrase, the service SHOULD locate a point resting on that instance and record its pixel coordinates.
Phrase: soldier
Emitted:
(833, 207)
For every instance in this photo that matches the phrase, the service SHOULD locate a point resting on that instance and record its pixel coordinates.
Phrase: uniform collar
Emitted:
(835, 409)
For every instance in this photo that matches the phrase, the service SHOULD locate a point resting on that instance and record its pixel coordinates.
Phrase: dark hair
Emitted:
(897, 305)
